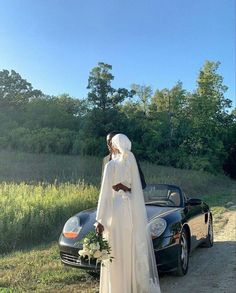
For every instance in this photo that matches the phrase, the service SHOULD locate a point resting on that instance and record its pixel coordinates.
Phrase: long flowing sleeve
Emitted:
(104, 208)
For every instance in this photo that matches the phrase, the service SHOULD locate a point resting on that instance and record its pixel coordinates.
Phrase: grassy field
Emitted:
(31, 214)
(39, 192)
(20, 167)
(40, 270)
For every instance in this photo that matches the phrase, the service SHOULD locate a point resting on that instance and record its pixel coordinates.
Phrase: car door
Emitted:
(196, 220)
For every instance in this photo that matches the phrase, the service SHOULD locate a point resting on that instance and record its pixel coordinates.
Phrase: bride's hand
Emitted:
(121, 186)
(99, 228)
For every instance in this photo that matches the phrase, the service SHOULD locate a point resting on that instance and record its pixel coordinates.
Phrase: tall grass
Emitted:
(20, 167)
(38, 193)
(33, 168)
(31, 214)
(193, 183)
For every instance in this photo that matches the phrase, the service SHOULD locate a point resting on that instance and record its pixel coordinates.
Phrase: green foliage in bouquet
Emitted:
(96, 247)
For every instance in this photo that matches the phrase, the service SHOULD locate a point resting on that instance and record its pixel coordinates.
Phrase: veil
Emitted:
(144, 264)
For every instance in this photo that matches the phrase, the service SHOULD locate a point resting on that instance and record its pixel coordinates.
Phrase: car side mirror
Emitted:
(194, 201)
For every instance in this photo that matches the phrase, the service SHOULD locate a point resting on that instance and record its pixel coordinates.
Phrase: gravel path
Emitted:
(212, 269)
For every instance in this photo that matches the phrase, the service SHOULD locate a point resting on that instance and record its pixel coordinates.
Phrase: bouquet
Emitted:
(95, 247)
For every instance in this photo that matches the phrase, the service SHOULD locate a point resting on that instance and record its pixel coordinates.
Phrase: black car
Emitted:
(178, 225)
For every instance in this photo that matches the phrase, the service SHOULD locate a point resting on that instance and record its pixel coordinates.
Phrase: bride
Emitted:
(122, 219)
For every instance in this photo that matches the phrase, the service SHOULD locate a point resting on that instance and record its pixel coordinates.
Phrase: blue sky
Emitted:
(55, 43)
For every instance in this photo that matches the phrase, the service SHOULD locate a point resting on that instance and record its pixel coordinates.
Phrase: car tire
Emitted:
(210, 235)
(183, 254)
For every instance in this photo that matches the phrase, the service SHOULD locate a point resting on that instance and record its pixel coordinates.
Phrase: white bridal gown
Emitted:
(123, 215)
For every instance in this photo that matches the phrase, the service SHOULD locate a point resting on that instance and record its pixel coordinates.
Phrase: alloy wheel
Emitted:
(184, 251)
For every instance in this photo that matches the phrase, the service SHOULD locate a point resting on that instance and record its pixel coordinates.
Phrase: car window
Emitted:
(162, 195)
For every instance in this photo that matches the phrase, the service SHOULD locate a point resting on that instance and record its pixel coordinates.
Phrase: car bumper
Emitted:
(166, 256)
(75, 261)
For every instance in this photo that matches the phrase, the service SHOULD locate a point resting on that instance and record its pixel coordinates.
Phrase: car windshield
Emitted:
(162, 195)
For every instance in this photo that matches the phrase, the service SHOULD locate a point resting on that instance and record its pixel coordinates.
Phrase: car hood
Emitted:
(152, 211)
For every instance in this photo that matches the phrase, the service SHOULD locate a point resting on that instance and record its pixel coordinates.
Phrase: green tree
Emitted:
(14, 90)
(168, 111)
(60, 112)
(208, 113)
(229, 165)
(15, 94)
(102, 95)
(144, 94)
(103, 107)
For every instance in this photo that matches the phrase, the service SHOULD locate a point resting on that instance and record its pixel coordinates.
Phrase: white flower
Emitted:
(86, 249)
(92, 249)
(104, 257)
(82, 253)
(97, 254)
(86, 240)
(93, 246)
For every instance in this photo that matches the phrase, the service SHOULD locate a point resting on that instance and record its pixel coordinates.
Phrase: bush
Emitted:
(43, 140)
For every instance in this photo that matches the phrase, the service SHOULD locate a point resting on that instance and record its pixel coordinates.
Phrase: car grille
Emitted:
(73, 259)
(70, 258)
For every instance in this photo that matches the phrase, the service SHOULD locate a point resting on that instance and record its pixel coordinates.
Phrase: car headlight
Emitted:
(72, 228)
(157, 227)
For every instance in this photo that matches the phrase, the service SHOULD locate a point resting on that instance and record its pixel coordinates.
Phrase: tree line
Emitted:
(172, 127)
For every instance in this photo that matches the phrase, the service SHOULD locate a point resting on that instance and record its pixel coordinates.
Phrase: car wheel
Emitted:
(183, 255)
(210, 235)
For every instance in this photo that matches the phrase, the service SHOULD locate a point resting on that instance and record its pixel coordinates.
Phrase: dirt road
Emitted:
(213, 269)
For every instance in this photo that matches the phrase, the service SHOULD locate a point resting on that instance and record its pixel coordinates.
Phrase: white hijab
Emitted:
(121, 142)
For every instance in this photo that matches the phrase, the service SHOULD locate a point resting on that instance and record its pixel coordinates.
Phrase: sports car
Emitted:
(178, 225)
